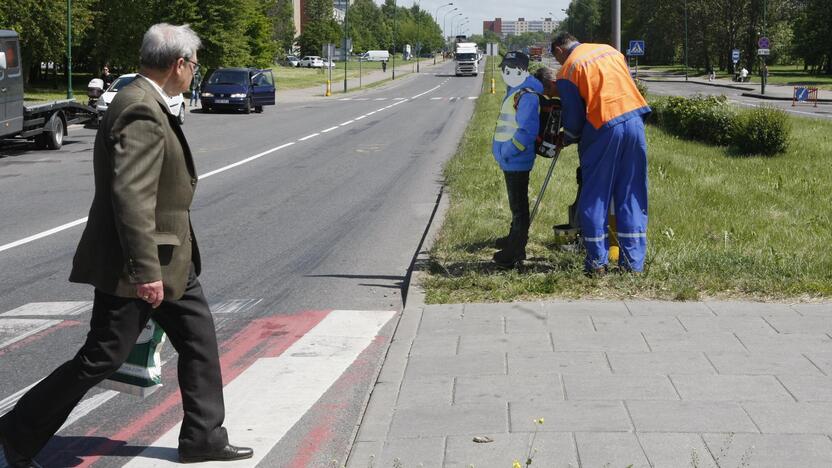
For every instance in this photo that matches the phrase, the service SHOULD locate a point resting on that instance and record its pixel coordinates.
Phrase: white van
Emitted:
(376, 56)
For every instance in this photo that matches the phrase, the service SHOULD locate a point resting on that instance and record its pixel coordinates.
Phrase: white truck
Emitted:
(466, 58)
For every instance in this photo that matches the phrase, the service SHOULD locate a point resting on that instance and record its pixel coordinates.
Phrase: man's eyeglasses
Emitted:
(196, 65)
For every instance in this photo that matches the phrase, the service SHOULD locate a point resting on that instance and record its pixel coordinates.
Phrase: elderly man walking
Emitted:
(603, 109)
(139, 252)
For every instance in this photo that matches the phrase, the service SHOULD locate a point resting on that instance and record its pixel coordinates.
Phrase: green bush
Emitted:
(707, 119)
(763, 130)
(642, 88)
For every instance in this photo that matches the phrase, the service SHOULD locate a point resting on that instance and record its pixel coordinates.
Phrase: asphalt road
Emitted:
(311, 206)
(681, 88)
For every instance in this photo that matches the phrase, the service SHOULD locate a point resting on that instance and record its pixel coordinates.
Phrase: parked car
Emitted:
(238, 88)
(176, 103)
(328, 63)
(311, 61)
(291, 61)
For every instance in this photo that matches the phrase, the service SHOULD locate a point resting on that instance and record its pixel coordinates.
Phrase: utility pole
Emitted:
(395, 10)
(69, 49)
(418, 36)
(686, 40)
(616, 24)
(346, 52)
(765, 69)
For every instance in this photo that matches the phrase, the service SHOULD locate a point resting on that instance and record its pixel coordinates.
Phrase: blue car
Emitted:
(243, 89)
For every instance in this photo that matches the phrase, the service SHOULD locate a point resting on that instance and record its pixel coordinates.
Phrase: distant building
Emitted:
(512, 28)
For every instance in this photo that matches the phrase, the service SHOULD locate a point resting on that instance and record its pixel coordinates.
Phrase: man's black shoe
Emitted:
(14, 459)
(509, 258)
(227, 453)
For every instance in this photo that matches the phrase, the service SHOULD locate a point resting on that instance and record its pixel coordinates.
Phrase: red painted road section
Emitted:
(266, 337)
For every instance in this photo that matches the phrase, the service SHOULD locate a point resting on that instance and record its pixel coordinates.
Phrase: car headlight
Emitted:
(207, 94)
(238, 95)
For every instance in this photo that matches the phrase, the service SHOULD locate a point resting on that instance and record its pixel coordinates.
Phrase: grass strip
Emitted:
(720, 226)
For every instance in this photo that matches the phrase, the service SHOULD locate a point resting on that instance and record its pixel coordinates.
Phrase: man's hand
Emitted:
(152, 293)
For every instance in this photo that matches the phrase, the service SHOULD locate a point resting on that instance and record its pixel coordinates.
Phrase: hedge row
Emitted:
(762, 130)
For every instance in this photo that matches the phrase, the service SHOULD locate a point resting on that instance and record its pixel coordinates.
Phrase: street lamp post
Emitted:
(616, 24)
(69, 49)
(686, 40)
(436, 18)
(395, 10)
(418, 35)
(445, 24)
(346, 52)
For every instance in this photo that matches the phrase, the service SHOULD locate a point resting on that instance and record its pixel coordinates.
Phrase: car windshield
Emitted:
(466, 56)
(121, 82)
(229, 77)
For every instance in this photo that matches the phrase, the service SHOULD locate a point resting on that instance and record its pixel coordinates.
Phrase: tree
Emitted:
(320, 28)
(283, 25)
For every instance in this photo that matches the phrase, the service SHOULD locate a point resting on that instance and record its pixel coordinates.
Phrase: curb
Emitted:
(778, 98)
(718, 85)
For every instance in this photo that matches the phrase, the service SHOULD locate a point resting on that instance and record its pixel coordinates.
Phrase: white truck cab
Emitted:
(466, 57)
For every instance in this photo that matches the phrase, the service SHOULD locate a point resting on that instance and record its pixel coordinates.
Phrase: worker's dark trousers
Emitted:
(517, 185)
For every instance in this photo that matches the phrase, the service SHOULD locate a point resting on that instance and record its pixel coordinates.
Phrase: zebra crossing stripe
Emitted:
(13, 330)
(268, 398)
(48, 309)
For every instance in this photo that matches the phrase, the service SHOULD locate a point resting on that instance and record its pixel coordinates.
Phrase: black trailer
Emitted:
(45, 123)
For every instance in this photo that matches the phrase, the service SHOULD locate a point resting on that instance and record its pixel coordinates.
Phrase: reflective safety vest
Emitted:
(507, 122)
(603, 81)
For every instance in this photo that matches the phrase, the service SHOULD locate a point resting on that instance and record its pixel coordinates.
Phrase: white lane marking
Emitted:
(50, 309)
(426, 92)
(346, 123)
(435, 98)
(346, 99)
(362, 117)
(308, 137)
(268, 398)
(13, 330)
(371, 113)
(43, 234)
(362, 99)
(8, 403)
(329, 129)
(244, 161)
(398, 99)
(88, 405)
(472, 97)
(381, 99)
(234, 306)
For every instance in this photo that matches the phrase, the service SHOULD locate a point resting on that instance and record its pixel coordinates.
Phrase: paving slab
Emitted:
(549, 449)
(823, 361)
(730, 388)
(487, 363)
(557, 363)
(813, 309)
(743, 324)
(803, 324)
(670, 362)
(443, 420)
(540, 388)
(808, 388)
(667, 308)
(613, 449)
(426, 391)
(674, 450)
(429, 451)
(618, 387)
(586, 308)
(791, 418)
(435, 346)
(693, 341)
(379, 412)
(771, 363)
(624, 341)
(738, 308)
(659, 324)
(771, 451)
(689, 416)
(531, 342)
(795, 342)
(570, 416)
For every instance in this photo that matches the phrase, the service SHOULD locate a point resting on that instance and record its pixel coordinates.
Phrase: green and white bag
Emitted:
(141, 374)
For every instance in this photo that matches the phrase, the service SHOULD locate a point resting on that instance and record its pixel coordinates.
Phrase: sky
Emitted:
(485, 10)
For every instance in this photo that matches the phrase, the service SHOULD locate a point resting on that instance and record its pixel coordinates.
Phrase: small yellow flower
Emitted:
(539, 421)
(516, 464)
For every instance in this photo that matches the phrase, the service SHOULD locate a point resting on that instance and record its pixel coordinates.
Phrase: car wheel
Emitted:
(52, 139)
(308, 65)
(247, 108)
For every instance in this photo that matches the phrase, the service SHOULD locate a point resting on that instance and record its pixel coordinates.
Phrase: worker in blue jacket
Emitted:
(513, 148)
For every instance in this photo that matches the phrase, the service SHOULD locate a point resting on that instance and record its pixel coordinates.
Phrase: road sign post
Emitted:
(764, 50)
(636, 50)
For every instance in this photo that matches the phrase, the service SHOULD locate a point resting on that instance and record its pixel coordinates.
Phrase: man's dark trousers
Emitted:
(517, 185)
(115, 325)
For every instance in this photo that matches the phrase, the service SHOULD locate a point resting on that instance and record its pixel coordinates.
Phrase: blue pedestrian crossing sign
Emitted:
(636, 48)
(801, 94)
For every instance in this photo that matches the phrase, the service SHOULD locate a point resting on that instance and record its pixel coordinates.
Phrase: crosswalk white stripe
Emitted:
(268, 398)
(25, 328)
(89, 405)
(50, 309)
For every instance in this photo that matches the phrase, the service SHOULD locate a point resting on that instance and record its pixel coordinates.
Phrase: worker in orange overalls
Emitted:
(603, 110)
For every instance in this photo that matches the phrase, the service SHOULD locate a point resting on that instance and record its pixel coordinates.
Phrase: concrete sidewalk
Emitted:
(662, 384)
(773, 91)
(403, 70)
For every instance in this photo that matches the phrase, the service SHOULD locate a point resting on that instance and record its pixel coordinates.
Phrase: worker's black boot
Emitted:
(513, 254)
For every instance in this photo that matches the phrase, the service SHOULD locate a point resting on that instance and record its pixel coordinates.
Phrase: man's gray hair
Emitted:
(545, 73)
(164, 43)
